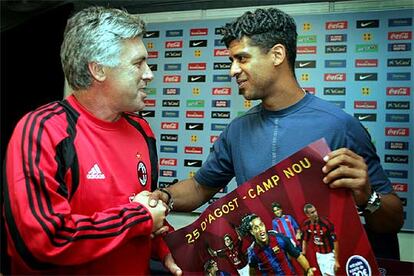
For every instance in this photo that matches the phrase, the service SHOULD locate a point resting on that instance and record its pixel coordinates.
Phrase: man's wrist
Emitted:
(373, 204)
(170, 201)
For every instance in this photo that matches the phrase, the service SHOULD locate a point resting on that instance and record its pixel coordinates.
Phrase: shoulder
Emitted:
(49, 115)
(329, 110)
(135, 118)
(325, 220)
(250, 114)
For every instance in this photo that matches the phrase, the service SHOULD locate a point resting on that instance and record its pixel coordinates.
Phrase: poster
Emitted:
(219, 238)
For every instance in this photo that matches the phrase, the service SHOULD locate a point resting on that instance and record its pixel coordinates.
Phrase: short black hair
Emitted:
(245, 225)
(276, 205)
(265, 28)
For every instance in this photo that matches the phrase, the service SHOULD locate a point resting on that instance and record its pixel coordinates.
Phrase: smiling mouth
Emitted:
(240, 83)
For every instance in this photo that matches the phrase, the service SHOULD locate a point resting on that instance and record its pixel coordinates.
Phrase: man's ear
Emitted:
(278, 54)
(97, 71)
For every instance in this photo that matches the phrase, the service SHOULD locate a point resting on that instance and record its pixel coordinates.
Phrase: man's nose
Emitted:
(234, 69)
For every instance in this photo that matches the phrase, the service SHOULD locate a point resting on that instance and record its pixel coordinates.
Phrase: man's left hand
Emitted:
(346, 169)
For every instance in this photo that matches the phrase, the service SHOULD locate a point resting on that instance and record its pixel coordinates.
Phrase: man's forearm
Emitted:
(188, 194)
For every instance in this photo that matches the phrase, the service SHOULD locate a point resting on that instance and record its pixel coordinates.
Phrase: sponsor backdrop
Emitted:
(361, 62)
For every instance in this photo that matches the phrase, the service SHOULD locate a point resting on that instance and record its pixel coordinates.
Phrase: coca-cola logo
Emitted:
(221, 52)
(221, 91)
(172, 78)
(174, 44)
(400, 187)
(168, 162)
(336, 25)
(398, 91)
(169, 125)
(399, 35)
(213, 138)
(395, 131)
(335, 77)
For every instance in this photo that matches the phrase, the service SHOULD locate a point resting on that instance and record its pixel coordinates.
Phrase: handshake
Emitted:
(158, 210)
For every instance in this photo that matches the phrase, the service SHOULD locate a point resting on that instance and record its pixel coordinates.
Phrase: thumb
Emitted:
(172, 266)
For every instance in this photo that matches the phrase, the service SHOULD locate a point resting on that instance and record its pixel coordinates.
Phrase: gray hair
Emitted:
(95, 35)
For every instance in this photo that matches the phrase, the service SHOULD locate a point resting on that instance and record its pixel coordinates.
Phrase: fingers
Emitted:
(343, 157)
(161, 231)
(170, 264)
(346, 169)
(154, 197)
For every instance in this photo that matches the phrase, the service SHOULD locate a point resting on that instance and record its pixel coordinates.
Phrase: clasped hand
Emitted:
(158, 212)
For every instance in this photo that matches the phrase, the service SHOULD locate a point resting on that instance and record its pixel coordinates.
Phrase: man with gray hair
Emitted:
(78, 172)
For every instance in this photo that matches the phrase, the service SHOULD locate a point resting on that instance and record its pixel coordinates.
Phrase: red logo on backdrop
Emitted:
(174, 44)
(172, 78)
(306, 50)
(221, 91)
(199, 31)
(197, 66)
(399, 35)
(213, 138)
(310, 90)
(335, 77)
(194, 114)
(169, 125)
(193, 150)
(365, 105)
(400, 187)
(366, 63)
(221, 52)
(336, 25)
(397, 131)
(149, 102)
(398, 91)
(168, 162)
(153, 54)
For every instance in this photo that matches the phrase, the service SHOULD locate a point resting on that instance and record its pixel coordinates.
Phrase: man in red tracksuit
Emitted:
(78, 172)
